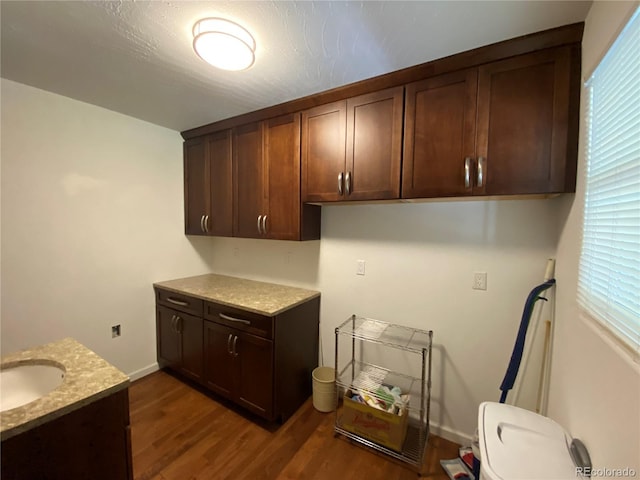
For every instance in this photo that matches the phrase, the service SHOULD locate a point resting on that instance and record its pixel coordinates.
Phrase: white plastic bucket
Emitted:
(324, 393)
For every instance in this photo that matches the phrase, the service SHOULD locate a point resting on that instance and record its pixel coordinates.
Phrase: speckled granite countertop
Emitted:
(259, 297)
(88, 377)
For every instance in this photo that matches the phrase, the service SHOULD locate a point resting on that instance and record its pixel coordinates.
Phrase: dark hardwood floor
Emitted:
(181, 433)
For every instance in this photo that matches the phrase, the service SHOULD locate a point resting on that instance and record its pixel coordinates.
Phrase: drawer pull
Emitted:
(177, 302)
(232, 319)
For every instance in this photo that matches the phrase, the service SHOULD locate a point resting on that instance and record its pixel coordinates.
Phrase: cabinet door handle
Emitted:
(264, 224)
(229, 345)
(467, 172)
(340, 183)
(174, 324)
(347, 182)
(206, 223)
(235, 341)
(177, 302)
(233, 319)
(259, 219)
(202, 223)
(480, 179)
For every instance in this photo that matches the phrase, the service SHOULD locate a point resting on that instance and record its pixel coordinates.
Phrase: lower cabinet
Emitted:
(180, 341)
(262, 363)
(239, 366)
(92, 442)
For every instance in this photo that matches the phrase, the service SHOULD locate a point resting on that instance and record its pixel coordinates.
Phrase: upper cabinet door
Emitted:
(523, 120)
(352, 150)
(220, 221)
(323, 152)
(374, 145)
(282, 167)
(196, 186)
(249, 173)
(439, 139)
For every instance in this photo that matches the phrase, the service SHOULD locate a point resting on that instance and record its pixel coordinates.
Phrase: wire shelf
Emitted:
(366, 377)
(412, 451)
(384, 333)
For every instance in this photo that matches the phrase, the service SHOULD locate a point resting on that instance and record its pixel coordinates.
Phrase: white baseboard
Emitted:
(451, 435)
(143, 372)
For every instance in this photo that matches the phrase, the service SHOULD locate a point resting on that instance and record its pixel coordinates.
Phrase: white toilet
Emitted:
(519, 444)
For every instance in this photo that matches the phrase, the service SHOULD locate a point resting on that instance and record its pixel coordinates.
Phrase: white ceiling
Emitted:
(136, 57)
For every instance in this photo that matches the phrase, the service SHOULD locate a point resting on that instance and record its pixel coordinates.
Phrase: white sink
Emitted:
(23, 384)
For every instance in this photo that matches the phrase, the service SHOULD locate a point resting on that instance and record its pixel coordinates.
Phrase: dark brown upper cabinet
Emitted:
(267, 182)
(439, 138)
(499, 129)
(196, 185)
(285, 217)
(523, 120)
(499, 120)
(248, 166)
(208, 185)
(220, 222)
(352, 149)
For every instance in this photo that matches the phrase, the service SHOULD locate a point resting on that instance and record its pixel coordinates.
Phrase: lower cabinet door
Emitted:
(190, 331)
(169, 343)
(254, 362)
(239, 366)
(219, 362)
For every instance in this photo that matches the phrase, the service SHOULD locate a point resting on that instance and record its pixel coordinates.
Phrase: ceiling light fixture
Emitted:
(223, 44)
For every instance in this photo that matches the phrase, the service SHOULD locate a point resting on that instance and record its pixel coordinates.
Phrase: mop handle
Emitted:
(518, 348)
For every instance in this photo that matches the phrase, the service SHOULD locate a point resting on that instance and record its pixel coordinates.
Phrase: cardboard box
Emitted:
(384, 428)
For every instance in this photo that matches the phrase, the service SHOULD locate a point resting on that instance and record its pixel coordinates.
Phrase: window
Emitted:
(609, 279)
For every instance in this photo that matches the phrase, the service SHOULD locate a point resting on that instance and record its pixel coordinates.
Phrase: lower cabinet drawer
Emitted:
(177, 301)
(253, 323)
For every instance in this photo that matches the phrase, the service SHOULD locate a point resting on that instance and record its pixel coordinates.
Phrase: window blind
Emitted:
(609, 276)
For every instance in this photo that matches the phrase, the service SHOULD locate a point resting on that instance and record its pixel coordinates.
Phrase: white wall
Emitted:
(91, 217)
(420, 260)
(595, 386)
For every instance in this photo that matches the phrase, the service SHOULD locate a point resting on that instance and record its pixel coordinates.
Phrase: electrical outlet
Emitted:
(360, 267)
(479, 281)
(115, 331)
